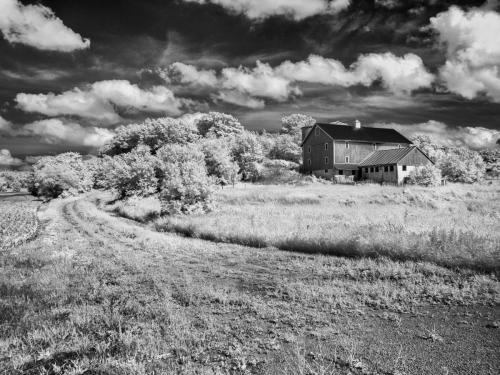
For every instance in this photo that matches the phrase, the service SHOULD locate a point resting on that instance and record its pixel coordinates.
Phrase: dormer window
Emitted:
(347, 145)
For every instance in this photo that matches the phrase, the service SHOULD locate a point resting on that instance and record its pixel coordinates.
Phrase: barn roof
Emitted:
(385, 157)
(364, 134)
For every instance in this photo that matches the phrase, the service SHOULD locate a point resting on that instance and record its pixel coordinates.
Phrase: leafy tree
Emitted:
(216, 124)
(248, 153)
(462, 165)
(153, 133)
(428, 175)
(219, 161)
(134, 173)
(431, 149)
(292, 125)
(286, 148)
(186, 186)
(65, 173)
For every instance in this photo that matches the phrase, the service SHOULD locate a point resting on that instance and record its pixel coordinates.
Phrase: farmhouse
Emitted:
(359, 153)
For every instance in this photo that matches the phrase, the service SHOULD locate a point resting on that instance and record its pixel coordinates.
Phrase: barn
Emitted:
(392, 166)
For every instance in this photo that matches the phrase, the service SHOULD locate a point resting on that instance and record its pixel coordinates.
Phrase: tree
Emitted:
(248, 153)
(219, 161)
(431, 149)
(427, 175)
(131, 174)
(216, 124)
(14, 181)
(462, 165)
(65, 173)
(153, 133)
(292, 125)
(186, 186)
(286, 148)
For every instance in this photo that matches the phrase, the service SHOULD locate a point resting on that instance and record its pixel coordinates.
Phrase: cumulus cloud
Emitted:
(57, 131)
(6, 158)
(250, 87)
(5, 126)
(37, 26)
(475, 137)
(296, 9)
(99, 101)
(473, 51)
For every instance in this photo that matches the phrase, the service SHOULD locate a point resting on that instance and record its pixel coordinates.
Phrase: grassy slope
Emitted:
(456, 225)
(100, 294)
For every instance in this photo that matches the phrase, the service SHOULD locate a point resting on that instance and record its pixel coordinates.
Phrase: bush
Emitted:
(11, 181)
(153, 133)
(462, 165)
(219, 162)
(286, 148)
(427, 175)
(131, 174)
(248, 153)
(186, 186)
(65, 173)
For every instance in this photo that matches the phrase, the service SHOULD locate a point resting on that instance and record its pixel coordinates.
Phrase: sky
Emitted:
(71, 71)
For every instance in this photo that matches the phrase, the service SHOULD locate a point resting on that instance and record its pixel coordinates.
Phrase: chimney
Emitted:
(357, 124)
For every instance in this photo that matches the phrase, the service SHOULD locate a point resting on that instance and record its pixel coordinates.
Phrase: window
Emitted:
(326, 146)
(347, 159)
(392, 168)
(366, 170)
(309, 162)
(399, 146)
(404, 167)
(316, 131)
(376, 169)
(386, 169)
(309, 149)
(341, 172)
(326, 170)
(371, 169)
(326, 160)
(374, 145)
(347, 145)
(354, 173)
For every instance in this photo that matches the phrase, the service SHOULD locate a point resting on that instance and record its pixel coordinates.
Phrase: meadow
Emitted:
(455, 225)
(96, 293)
(18, 220)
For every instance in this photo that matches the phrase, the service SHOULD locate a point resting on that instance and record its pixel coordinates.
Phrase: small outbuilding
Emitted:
(392, 166)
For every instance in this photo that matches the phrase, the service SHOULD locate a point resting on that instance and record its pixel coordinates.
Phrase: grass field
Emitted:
(455, 225)
(18, 220)
(94, 293)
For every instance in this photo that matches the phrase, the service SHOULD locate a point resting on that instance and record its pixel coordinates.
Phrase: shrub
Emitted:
(286, 148)
(132, 174)
(219, 162)
(428, 175)
(65, 173)
(248, 153)
(186, 186)
(153, 133)
(13, 181)
(215, 124)
(462, 165)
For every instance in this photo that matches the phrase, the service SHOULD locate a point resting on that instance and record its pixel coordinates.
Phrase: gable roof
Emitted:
(364, 134)
(393, 156)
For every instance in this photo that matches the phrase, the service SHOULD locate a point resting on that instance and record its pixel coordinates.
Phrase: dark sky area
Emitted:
(136, 40)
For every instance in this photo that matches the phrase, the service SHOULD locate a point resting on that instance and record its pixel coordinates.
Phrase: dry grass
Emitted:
(18, 221)
(454, 226)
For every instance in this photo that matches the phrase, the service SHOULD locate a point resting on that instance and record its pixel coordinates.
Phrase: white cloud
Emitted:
(5, 126)
(398, 74)
(473, 50)
(98, 101)
(297, 9)
(7, 159)
(37, 26)
(188, 74)
(56, 131)
(475, 137)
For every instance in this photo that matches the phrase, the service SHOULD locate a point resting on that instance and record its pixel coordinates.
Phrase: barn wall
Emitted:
(318, 153)
(381, 175)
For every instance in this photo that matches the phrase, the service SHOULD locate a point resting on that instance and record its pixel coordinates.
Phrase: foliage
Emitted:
(462, 165)
(216, 124)
(428, 175)
(219, 161)
(431, 149)
(64, 173)
(286, 148)
(492, 160)
(292, 125)
(14, 181)
(186, 186)
(132, 173)
(248, 153)
(153, 133)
